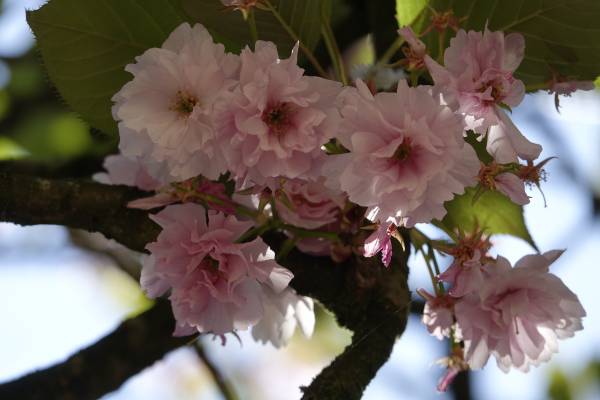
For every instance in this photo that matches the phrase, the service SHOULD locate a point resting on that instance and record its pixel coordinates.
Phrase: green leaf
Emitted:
(229, 27)
(479, 144)
(492, 211)
(561, 36)
(407, 11)
(85, 46)
(597, 82)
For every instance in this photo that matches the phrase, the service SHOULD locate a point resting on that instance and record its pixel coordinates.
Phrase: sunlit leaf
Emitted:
(408, 10)
(492, 211)
(85, 46)
(561, 35)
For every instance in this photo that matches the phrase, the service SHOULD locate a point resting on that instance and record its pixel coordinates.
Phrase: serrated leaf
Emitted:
(304, 17)
(561, 36)
(85, 46)
(492, 211)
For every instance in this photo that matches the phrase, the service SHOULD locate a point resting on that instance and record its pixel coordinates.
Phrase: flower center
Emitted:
(211, 264)
(184, 103)
(278, 117)
(403, 151)
(498, 92)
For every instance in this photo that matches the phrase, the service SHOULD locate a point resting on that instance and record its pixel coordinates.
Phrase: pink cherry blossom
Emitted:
(415, 53)
(121, 170)
(454, 364)
(243, 5)
(380, 241)
(464, 276)
(518, 314)
(477, 78)
(216, 284)
(283, 313)
(308, 204)
(438, 315)
(565, 88)
(170, 102)
(512, 186)
(277, 119)
(407, 154)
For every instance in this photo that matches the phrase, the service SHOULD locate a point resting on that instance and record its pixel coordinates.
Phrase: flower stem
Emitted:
(224, 386)
(334, 51)
(389, 53)
(252, 26)
(307, 233)
(309, 55)
(288, 245)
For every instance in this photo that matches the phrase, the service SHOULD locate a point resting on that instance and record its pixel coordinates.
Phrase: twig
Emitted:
(104, 366)
(309, 55)
(225, 387)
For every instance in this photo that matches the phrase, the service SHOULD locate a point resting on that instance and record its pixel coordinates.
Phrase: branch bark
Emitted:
(104, 366)
(366, 298)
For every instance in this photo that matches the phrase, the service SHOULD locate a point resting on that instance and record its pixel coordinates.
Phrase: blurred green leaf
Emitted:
(229, 27)
(49, 135)
(559, 386)
(492, 211)
(598, 82)
(9, 149)
(85, 46)
(561, 36)
(26, 79)
(4, 103)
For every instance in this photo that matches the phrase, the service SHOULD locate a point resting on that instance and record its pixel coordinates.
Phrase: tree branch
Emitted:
(224, 386)
(27, 200)
(368, 299)
(104, 366)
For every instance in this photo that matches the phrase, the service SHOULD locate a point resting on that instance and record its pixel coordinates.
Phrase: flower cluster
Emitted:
(516, 314)
(237, 145)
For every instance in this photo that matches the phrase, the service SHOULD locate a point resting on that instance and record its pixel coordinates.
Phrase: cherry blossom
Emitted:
(407, 154)
(512, 186)
(380, 241)
(308, 204)
(121, 170)
(283, 313)
(170, 102)
(566, 87)
(518, 314)
(477, 80)
(275, 122)
(438, 315)
(415, 53)
(216, 285)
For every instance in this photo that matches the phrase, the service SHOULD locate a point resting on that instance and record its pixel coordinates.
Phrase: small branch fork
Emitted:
(365, 297)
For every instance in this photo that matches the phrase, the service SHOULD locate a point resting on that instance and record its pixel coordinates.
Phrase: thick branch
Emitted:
(350, 373)
(26, 200)
(104, 366)
(365, 297)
